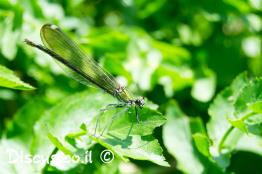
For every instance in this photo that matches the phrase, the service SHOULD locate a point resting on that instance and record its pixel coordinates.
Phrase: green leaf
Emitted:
(249, 95)
(202, 143)
(9, 80)
(177, 136)
(256, 107)
(228, 112)
(239, 124)
(149, 119)
(219, 127)
(247, 114)
(250, 143)
(177, 139)
(200, 137)
(64, 120)
(222, 108)
(59, 145)
(136, 147)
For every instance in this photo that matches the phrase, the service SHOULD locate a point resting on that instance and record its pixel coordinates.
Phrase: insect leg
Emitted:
(103, 110)
(137, 114)
(130, 129)
(97, 122)
(115, 105)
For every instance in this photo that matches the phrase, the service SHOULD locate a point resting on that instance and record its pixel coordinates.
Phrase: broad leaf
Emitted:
(177, 136)
(228, 123)
(63, 121)
(9, 80)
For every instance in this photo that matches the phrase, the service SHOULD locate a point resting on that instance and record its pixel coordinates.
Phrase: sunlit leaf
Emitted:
(83, 109)
(202, 143)
(177, 136)
(228, 116)
(9, 80)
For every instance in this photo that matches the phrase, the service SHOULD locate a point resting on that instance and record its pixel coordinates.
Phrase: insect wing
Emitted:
(54, 39)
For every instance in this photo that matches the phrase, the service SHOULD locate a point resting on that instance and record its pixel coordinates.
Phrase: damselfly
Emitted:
(82, 68)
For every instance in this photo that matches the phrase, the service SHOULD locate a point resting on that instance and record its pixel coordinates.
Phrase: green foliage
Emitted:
(197, 63)
(125, 137)
(185, 139)
(229, 118)
(9, 80)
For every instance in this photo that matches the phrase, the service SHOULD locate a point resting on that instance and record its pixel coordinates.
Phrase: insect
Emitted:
(81, 67)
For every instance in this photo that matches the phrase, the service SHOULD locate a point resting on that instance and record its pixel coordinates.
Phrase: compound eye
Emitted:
(141, 102)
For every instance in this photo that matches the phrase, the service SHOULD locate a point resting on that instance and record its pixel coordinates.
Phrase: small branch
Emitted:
(220, 146)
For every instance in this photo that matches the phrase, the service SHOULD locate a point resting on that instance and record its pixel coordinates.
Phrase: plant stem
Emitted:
(229, 130)
(247, 116)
